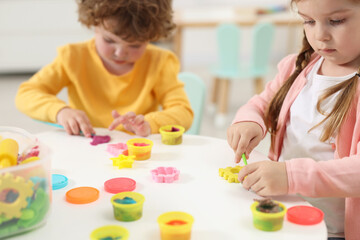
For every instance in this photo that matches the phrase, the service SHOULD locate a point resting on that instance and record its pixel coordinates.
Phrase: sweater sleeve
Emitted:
(37, 96)
(170, 93)
(331, 178)
(254, 109)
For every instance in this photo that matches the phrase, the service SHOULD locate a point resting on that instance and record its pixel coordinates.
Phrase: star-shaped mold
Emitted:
(230, 173)
(165, 174)
(123, 161)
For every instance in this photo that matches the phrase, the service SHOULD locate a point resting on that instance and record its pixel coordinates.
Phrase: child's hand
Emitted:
(243, 137)
(266, 178)
(75, 121)
(132, 123)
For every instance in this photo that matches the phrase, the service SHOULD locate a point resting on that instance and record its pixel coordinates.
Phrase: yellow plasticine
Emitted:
(230, 173)
(25, 190)
(123, 161)
(30, 159)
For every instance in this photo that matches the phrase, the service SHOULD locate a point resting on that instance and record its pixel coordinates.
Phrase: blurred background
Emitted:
(31, 30)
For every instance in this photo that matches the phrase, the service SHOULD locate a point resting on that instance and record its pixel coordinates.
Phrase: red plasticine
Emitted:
(97, 139)
(141, 144)
(176, 222)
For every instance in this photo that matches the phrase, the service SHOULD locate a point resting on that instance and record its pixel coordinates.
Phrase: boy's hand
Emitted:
(266, 178)
(132, 123)
(243, 137)
(75, 121)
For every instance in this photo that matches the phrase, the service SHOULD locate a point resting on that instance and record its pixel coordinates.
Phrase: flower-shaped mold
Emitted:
(230, 173)
(116, 149)
(165, 174)
(123, 161)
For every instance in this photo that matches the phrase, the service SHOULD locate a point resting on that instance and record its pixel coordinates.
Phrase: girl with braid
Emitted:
(311, 110)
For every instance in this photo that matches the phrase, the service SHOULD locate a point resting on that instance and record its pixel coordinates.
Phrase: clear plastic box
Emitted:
(25, 189)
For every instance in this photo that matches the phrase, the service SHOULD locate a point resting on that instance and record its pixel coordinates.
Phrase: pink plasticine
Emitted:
(97, 139)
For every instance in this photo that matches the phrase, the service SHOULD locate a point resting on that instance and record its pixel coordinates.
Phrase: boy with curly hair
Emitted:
(116, 80)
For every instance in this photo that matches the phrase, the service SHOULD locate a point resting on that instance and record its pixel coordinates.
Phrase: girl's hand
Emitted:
(266, 178)
(243, 137)
(75, 121)
(132, 123)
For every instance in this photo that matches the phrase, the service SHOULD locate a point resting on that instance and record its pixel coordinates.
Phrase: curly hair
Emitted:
(132, 20)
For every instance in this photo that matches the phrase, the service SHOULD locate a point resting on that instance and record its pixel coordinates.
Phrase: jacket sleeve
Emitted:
(254, 109)
(170, 93)
(37, 96)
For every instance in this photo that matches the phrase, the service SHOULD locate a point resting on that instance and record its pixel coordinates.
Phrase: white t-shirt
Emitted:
(299, 143)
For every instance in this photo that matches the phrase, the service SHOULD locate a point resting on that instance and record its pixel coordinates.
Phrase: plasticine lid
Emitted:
(82, 195)
(304, 215)
(117, 185)
(58, 181)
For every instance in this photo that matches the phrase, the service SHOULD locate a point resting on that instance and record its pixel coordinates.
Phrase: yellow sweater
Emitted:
(151, 83)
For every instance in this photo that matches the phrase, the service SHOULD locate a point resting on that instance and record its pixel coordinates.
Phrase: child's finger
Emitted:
(246, 170)
(74, 127)
(116, 122)
(115, 114)
(139, 119)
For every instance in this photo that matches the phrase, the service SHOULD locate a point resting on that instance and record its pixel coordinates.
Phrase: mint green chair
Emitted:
(195, 90)
(230, 67)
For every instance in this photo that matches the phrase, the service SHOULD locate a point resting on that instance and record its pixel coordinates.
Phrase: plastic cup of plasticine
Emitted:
(175, 225)
(140, 148)
(110, 232)
(171, 134)
(268, 221)
(128, 206)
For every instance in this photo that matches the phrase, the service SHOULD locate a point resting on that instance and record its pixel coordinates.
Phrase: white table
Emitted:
(221, 210)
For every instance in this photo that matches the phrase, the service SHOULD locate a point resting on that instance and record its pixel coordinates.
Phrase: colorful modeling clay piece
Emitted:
(117, 185)
(33, 152)
(230, 173)
(125, 200)
(175, 225)
(58, 181)
(82, 195)
(110, 232)
(9, 150)
(171, 134)
(123, 161)
(116, 149)
(267, 205)
(268, 221)
(128, 212)
(141, 144)
(142, 152)
(165, 174)
(173, 129)
(176, 222)
(97, 139)
(30, 159)
(23, 188)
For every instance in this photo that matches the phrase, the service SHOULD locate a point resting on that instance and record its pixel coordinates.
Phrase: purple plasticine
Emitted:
(97, 139)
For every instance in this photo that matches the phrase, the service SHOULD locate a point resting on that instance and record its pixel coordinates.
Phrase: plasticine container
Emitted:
(175, 225)
(128, 212)
(110, 232)
(25, 189)
(140, 148)
(171, 134)
(268, 221)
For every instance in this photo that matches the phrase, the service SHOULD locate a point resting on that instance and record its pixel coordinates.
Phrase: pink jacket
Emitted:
(339, 177)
